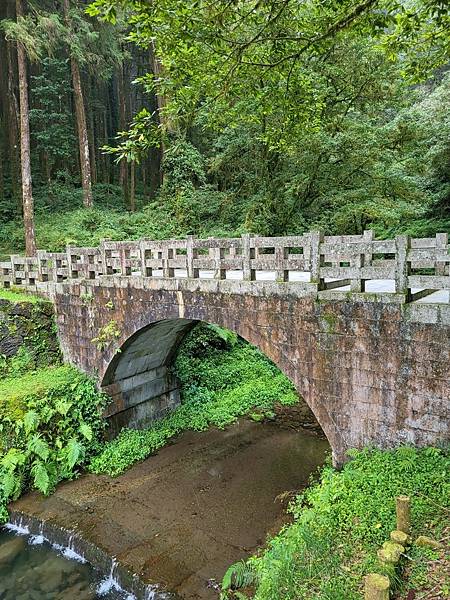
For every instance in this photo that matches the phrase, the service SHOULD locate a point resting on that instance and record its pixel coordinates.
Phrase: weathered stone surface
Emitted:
(371, 373)
(390, 553)
(376, 587)
(400, 537)
(428, 542)
(30, 325)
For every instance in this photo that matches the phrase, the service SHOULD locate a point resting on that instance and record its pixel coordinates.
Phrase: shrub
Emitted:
(51, 421)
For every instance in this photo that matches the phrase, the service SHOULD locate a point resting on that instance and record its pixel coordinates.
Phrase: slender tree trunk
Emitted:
(161, 102)
(91, 138)
(132, 186)
(80, 114)
(123, 173)
(27, 192)
(14, 111)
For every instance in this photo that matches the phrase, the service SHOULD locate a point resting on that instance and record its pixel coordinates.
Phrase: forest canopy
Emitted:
(129, 118)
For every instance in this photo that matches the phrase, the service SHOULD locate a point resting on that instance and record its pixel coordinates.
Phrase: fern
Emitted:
(74, 452)
(86, 431)
(238, 575)
(39, 446)
(41, 477)
(31, 421)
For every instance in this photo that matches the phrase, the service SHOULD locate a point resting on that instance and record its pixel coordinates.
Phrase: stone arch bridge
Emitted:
(360, 326)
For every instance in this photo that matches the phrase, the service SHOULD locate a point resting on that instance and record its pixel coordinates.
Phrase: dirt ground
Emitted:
(181, 517)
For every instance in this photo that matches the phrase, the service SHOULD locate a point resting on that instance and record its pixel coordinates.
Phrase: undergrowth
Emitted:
(222, 378)
(14, 295)
(340, 523)
(50, 424)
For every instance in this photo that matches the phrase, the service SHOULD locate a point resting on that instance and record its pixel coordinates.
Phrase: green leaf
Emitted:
(41, 477)
(39, 447)
(74, 452)
(63, 407)
(13, 458)
(86, 431)
(10, 483)
(31, 421)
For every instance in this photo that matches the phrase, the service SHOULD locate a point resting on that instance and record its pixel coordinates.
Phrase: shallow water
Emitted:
(209, 499)
(32, 569)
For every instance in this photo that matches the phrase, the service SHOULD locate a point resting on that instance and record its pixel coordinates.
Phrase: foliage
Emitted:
(341, 521)
(51, 421)
(275, 63)
(106, 335)
(222, 379)
(51, 121)
(15, 295)
(29, 321)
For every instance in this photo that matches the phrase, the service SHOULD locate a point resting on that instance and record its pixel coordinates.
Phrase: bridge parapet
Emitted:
(417, 267)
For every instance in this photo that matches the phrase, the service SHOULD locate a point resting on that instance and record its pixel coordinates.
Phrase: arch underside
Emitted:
(139, 379)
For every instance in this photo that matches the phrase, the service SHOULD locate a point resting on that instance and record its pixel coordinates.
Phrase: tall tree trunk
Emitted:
(123, 173)
(132, 186)
(13, 112)
(161, 102)
(80, 114)
(91, 138)
(27, 192)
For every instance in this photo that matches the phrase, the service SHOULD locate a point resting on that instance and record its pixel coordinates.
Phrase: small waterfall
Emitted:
(17, 526)
(111, 583)
(39, 538)
(119, 582)
(70, 551)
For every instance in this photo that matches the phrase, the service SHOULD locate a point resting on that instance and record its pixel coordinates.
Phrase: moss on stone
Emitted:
(390, 552)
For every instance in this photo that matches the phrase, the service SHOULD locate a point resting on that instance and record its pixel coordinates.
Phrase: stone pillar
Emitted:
(376, 587)
(441, 251)
(402, 245)
(315, 239)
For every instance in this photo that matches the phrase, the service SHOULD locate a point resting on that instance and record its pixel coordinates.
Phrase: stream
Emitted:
(177, 519)
(31, 568)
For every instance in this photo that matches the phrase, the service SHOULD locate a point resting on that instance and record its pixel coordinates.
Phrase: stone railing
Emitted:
(416, 266)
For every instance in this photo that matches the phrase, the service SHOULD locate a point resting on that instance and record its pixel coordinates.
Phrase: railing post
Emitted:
(106, 270)
(357, 284)
(190, 257)
(402, 268)
(282, 274)
(248, 273)
(167, 254)
(315, 239)
(441, 253)
(368, 252)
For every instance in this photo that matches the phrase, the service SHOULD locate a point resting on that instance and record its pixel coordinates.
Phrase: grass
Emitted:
(341, 521)
(13, 295)
(14, 391)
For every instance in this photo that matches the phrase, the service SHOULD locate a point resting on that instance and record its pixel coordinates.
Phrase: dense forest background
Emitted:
(174, 118)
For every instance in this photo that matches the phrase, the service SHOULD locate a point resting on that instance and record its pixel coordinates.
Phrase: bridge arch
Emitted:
(142, 386)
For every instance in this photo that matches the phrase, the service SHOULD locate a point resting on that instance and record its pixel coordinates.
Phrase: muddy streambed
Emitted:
(181, 517)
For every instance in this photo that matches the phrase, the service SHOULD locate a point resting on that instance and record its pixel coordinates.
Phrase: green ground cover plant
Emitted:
(341, 521)
(50, 424)
(28, 334)
(13, 295)
(222, 378)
